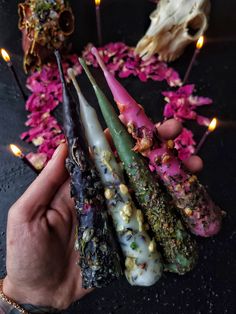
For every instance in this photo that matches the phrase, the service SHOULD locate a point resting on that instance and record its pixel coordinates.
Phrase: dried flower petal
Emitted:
(45, 132)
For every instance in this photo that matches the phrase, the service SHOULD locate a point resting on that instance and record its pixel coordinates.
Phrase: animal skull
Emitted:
(174, 24)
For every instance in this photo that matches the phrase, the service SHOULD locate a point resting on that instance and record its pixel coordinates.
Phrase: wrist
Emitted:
(32, 301)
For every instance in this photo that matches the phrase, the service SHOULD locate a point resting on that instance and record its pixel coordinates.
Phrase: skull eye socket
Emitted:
(195, 26)
(66, 22)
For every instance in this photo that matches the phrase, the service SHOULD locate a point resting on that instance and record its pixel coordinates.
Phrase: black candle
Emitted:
(210, 129)
(98, 21)
(195, 54)
(7, 58)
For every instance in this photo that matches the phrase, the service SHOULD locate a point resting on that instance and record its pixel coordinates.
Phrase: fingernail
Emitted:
(57, 151)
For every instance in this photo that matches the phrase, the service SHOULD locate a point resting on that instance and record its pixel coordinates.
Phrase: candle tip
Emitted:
(200, 42)
(212, 125)
(88, 73)
(15, 150)
(95, 52)
(5, 55)
(60, 68)
(71, 73)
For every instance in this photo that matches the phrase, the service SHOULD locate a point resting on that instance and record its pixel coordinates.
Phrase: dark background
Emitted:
(211, 287)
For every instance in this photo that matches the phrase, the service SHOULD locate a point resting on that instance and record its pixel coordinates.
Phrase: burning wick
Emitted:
(18, 153)
(7, 58)
(98, 21)
(199, 45)
(210, 129)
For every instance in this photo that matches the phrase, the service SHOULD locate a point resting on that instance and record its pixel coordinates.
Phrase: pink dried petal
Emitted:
(199, 101)
(186, 90)
(38, 160)
(142, 76)
(168, 111)
(203, 120)
(184, 143)
(125, 73)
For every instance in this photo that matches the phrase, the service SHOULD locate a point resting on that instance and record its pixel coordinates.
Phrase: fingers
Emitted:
(63, 202)
(193, 164)
(42, 190)
(63, 197)
(170, 129)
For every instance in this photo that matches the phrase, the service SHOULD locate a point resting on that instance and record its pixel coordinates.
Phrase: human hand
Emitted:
(41, 260)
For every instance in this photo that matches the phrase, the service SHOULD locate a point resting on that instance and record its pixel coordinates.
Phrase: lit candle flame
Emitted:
(212, 125)
(97, 2)
(16, 151)
(200, 42)
(5, 55)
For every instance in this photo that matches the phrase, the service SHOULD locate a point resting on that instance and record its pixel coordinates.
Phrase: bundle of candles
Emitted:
(98, 188)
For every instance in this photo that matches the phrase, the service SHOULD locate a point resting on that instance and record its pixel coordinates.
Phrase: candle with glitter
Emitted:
(98, 21)
(199, 45)
(210, 129)
(7, 59)
(18, 153)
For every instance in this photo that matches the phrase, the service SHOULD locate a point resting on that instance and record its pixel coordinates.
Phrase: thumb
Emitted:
(42, 190)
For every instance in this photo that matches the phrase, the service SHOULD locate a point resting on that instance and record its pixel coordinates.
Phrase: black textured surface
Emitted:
(211, 287)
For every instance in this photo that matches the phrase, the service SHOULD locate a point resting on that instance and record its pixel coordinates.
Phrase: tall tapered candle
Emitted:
(210, 129)
(18, 153)
(99, 259)
(98, 21)
(137, 247)
(6, 57)
(199, 45)
(178, 248)
(202, 216)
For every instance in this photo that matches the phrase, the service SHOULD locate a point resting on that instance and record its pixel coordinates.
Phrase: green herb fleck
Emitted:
(134, 246)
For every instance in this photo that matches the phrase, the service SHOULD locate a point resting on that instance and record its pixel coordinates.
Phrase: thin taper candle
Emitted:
(7, 59)
(98, 21)
(210, 129)
(196, 52)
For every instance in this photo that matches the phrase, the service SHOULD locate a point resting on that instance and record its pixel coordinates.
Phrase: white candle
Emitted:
(142, 262)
